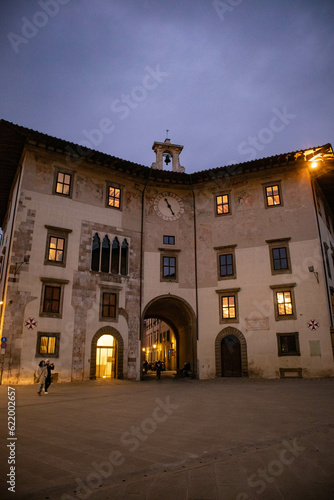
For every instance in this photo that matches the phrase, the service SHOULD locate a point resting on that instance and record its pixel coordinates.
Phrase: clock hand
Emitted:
(168, 205)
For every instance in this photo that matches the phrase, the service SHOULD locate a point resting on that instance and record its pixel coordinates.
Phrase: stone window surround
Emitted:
(47, 334)
(169, 252)
(115, 185)
(224, 250)
(284, 288)
(228, 292)
(52, 282)
(279, 243)
(56, 232)
(63, 170)
(269, 184)
(111, 236)
(223, 193)
(109, 289)
(279, 347)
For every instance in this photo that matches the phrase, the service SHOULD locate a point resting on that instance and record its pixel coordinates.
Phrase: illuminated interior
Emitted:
(106, 357)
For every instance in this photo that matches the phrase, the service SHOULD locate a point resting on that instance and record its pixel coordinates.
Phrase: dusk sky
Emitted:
(232, 80)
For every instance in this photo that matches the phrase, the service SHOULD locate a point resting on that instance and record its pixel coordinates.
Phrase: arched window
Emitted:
(96, 253)
(124, 258)
(115, 256)
(105, 260)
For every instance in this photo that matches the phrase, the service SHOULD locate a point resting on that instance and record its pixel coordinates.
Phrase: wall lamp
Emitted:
(311, 269)
(18, 265)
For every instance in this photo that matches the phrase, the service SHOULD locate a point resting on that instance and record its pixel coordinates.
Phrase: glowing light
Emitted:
(155, 346)
(143, 349)
(314, 164)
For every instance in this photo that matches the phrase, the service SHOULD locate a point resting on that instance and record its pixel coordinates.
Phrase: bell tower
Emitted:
(165, 151)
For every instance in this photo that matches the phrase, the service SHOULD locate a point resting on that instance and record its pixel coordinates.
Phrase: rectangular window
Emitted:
(332, 299)
(279, 256)
(280, 259)
(273, 196)
(222, 204)
(284, 303)
(169, 240)
(63, 184)
(56, 246)
(51, 303)
(226, 265)
(288, 344)
(47, 344)
(169, 267)
(56, 249)
(52, 297)
(228, 307)
(109, 302)
(114, 197)
(326, 248)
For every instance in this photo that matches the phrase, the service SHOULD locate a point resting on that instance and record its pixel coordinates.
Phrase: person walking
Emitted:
(41, 374)
(49, 367)
(158, 368)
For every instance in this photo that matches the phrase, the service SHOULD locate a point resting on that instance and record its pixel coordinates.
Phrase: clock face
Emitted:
(168, 206)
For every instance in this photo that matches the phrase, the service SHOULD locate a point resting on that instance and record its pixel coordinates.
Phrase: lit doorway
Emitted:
(106, 357)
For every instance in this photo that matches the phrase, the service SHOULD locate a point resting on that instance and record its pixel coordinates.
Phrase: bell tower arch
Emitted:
(169, 152)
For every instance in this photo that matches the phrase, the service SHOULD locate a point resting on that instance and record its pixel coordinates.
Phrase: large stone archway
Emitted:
(223, 333)
(107, 330)
(176, 312)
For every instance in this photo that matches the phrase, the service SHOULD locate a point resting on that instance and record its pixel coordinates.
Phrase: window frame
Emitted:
(111, 291)
(169, 238)
(228, 194)
(226, 250)
(172, 252)
(56, 232)
(284, 289)
(279, 336)
(65, 171)
(266, 185)
(111, 185)
(229, 292)
(275, 244)
(51, 282)
(56, 335)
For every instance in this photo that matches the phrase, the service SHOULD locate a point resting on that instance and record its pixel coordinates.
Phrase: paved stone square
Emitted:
(173, 439)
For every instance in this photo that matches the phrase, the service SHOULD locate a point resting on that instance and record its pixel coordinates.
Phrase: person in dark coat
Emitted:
(158, 368)
(49, 367)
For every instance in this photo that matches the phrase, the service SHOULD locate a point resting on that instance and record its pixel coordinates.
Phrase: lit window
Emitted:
(284, 303)
(56, 249)
(47, 344)
(63, 184)
(228, 307)
(273, 195)
(222, 204)
(114, 197)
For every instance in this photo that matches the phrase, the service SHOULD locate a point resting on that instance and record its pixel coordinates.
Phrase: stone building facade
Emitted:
(238, 261)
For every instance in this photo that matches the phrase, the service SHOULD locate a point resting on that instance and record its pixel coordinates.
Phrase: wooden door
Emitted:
(231, 357)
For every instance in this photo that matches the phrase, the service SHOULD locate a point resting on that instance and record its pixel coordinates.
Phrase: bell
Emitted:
(167, 158)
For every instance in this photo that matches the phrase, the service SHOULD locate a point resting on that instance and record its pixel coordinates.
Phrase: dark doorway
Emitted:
(231, 356)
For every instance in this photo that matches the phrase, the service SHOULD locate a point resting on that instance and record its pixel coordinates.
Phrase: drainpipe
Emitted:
(322, 253)
(195, 249)
(141, 271)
